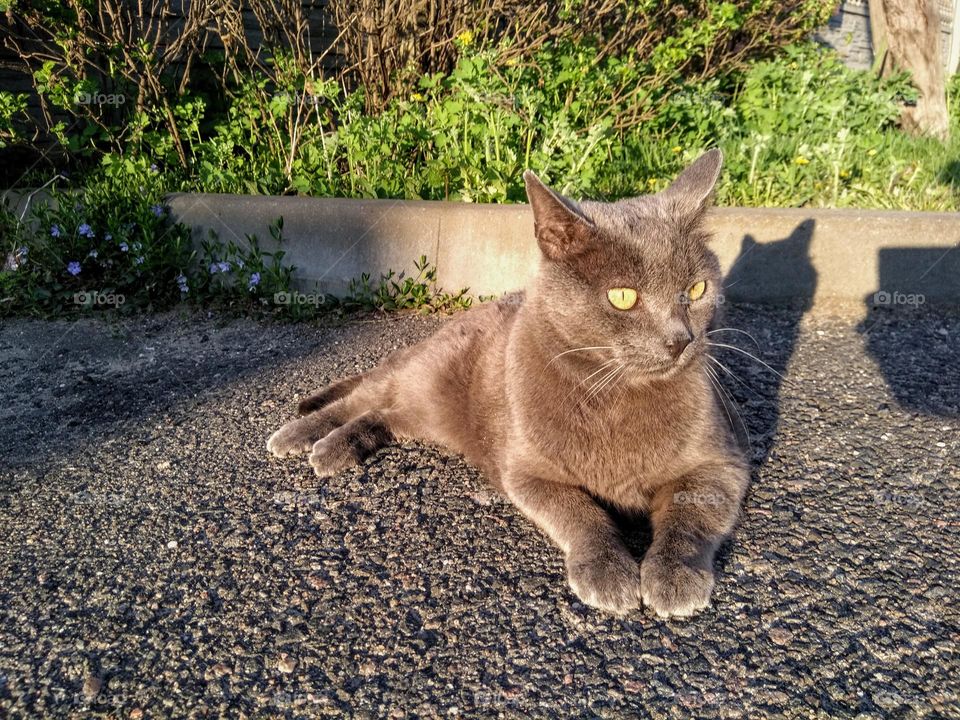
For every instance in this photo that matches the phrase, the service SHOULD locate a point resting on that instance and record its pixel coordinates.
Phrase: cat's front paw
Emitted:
(605, 577)
(672, 589)
(297, 436)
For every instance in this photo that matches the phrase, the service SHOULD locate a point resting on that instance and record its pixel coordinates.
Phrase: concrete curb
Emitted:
(771, 255)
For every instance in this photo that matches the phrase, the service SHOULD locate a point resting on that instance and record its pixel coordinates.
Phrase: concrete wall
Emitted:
(819, 257)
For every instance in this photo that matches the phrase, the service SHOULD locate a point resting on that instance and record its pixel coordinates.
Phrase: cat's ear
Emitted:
(692, 189)
(561, 228)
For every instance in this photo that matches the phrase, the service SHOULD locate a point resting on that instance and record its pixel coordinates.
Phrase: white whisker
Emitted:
(719, 386)
(579, 349)
(732, 374)
(736, 330)
(602, 367)
(752, 357)
(598, 386)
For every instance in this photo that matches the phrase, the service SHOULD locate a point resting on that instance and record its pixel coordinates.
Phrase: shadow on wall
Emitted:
(915, 349)
(780, 272)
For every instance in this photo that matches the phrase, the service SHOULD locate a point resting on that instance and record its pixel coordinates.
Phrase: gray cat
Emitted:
(592, 387)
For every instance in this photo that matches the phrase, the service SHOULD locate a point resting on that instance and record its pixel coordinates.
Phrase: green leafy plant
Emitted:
(241, 276)
(106, 240)
(797, 129)
(396, 292)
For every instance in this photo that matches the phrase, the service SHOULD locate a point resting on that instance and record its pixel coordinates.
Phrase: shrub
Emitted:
(163, 91)
(105, 240)
(390, 46)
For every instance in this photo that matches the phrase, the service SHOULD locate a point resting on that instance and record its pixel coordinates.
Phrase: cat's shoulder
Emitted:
(511, 302)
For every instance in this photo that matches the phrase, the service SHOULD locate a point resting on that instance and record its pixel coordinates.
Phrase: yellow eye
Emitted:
(696, 290)
(622, 298)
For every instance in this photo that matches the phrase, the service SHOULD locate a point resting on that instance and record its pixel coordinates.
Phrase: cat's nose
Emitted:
(678, 342)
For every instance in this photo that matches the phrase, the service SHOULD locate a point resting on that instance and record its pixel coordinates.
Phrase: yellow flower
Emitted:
(801, 160)
(416, 97)
(844, 173)
(652, 182)
(871, 152)
(676, 149)
(465, 38)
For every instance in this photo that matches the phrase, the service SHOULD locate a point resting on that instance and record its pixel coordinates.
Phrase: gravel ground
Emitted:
(156, 562)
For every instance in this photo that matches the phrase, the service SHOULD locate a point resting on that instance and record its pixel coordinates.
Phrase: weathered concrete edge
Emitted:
(816, 256)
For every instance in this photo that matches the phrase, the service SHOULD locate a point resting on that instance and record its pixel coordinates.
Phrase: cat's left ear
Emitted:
(561, 228)
(693, 187)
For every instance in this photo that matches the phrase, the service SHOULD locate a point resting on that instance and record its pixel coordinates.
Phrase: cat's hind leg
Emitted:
(329, 394)
(357, 400)
(299, 436)
(351, 443)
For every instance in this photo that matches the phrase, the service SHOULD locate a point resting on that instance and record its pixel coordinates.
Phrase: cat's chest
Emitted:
(624, 457)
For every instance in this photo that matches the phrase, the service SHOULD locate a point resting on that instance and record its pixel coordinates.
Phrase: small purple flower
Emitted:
(214, 268)
(93, 254)
(138, 260)
(124, 247)
(154, 168)
(23, 251)
(108, 237)
(157, 210)
(182, 283)
(55, 231)
(85, 231)
(254, 281)
(224, 267)
(73, 268)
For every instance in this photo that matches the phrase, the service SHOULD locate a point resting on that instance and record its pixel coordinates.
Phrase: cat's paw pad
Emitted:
(607, 579)
(672, 589)
(294, 438)
(329, 456)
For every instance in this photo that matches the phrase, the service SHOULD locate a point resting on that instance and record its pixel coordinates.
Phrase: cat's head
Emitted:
(634, 276)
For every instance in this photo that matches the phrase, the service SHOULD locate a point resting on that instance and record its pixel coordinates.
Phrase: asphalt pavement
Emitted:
(155, 561)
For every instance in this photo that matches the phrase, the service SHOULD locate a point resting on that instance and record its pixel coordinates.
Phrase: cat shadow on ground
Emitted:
(778, 272)
(913, 345)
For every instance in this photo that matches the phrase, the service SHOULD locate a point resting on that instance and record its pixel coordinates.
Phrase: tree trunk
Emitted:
(906, 36)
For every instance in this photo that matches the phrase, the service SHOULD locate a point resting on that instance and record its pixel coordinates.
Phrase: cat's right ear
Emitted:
(561, 228)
